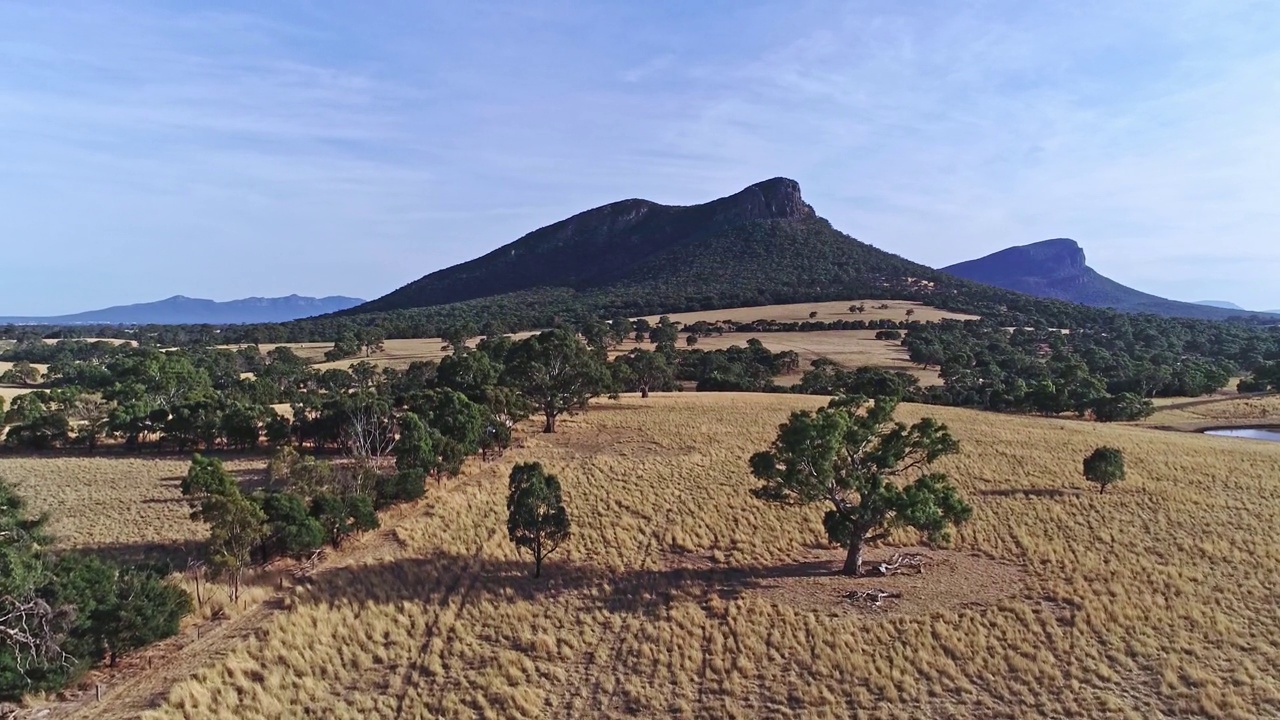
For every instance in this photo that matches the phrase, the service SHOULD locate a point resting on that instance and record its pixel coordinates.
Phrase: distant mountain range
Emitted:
(1232, 306)
(1056, 269)
(760, 246)
(182, 310)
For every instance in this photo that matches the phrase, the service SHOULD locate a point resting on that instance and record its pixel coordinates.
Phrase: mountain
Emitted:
(1056, 269)
(181, 310)
(1220, 304)
(762, 245)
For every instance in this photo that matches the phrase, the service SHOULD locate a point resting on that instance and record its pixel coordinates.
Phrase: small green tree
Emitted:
(291, 530)
(645, 371)
(537, 520)
(456, 336)
(416, 450)
(854, 456)
(142, 608)
(1104, 466)
(22, 373)
(236, 526)
(342, 515)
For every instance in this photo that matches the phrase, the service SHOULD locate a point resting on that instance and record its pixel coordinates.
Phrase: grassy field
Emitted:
(9, 392)
(827, 311)
(1223, 410)
(850, 348)
(114, 503)
(681, 596)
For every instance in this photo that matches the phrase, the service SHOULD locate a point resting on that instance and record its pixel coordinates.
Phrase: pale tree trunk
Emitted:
(644, 391)
(853, 561)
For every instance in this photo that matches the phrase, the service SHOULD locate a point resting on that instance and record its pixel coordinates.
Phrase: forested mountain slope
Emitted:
(1057, 269)
(759, 246)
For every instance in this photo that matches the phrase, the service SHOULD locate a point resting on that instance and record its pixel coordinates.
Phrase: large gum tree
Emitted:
(872, 471)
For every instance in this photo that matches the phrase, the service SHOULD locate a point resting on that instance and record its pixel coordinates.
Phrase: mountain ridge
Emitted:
(1057, 269)
(184, 310)
(617, 235)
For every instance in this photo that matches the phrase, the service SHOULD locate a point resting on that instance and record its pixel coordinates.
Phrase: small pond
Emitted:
(1272, 434)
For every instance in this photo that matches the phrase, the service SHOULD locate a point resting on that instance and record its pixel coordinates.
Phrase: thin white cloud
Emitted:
(331, 150)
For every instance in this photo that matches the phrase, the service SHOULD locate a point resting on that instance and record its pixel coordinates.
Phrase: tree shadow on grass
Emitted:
(437, 578)
(174, 554)
(249, 480)
(1031, 492)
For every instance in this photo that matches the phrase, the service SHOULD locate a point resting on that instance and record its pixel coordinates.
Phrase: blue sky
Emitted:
(152, 149)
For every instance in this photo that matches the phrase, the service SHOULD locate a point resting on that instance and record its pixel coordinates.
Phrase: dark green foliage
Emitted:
(398, 487)
(342, 515)
(1104, 467)
(236, 526)
(144, 607)
(889, 335)
(290, 530)
(80, 610)
(457, 425)
(855, 457)
(643, 371)
(1125, 407)
(1265, 378)
(44, 432)
(207, 476)
(417, 449)
(1047, 371)
(828, 379)
(22, 373)
(556, 372)
(735, 369)
(537, 520)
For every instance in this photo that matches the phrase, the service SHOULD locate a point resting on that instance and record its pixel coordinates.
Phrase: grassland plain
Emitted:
(852, 348)
(114, 501)
(1226, 410)
(826, 312)
(680, 595)
(9, 392)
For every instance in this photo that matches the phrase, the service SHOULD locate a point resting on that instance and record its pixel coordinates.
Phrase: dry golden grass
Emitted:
(125, 502)
(399, 353)
(827, 311)
(850, 348)
(9, 392)
(395, 353)
(1218, 411)
(682, 596)
(113, 341)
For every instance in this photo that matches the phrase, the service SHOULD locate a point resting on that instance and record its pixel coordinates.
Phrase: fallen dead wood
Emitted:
(873, 597)
(306, 567)
(899, 563)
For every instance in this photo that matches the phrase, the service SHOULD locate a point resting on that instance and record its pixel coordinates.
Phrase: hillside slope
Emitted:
(762, 245)
(1057, 269)
(182, 310)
